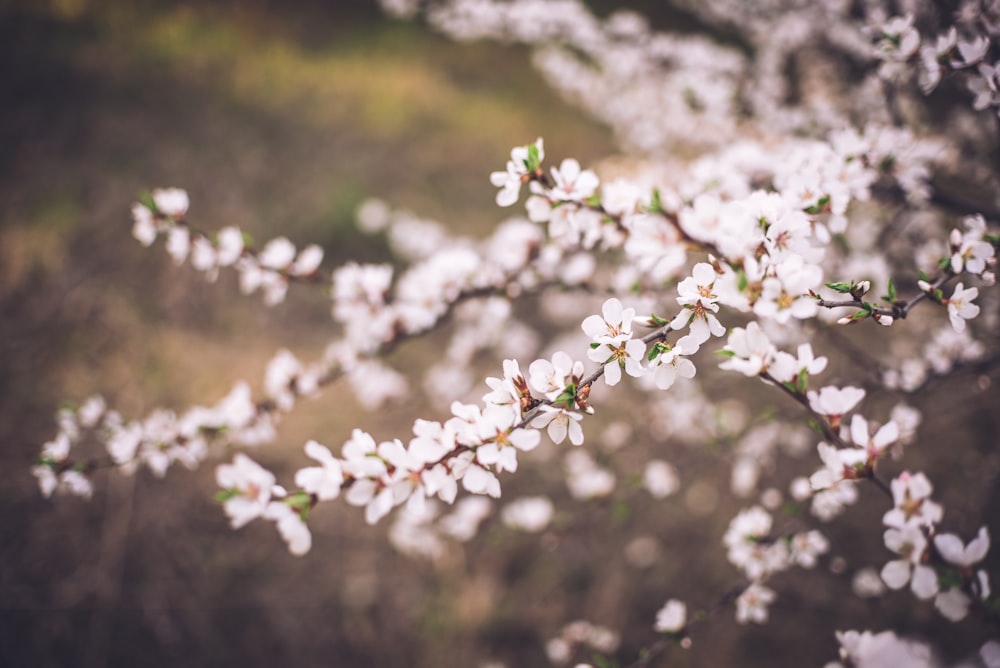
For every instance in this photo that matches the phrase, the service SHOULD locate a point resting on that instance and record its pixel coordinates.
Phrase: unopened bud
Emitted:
(924, 285)
(846, 320)
(955, 239)
(884, 320)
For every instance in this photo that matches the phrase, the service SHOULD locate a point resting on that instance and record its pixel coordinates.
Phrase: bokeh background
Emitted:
(282, 117)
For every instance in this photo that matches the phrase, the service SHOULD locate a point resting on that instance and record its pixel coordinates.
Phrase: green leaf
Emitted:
(802, 382)
(603, 662)
(843, 288)
(656, 204)
(816, 426)
(892, 291)
(945, 263)
(658, 321)
(743, 281)
(146, 199)
(533, 161)
(725, 353)
(224, 495)
(923, 276)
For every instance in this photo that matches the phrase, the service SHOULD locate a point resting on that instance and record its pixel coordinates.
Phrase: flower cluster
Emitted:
(755, 247)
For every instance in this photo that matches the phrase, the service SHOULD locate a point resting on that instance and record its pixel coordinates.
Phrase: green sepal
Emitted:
(593, 201)
(744, 282)
(568, 396)
(656, 350)
(725, 353)
(224, 495)
(819, 206)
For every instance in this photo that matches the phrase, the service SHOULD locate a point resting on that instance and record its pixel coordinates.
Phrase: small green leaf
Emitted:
(743, 281)
(533, 161)
(725, 353)
(224, 495)
(923, 276)
(146, 199)
(802, 382)
(656, 204)
(843, 288)
(658, 321)
(892, 291)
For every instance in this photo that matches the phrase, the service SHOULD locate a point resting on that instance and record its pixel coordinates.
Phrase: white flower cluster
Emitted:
(738, 244)
(752, 547)
(935, 565)
(269, 270)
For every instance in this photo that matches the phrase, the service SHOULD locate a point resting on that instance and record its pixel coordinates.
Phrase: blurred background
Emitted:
(281, 118)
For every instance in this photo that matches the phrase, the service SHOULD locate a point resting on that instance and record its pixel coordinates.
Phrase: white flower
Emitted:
(510, 181)
(660, 479)
(953, 604)
(277, 254)
(307, 261)
(874, 445)
(954, 552)
(144, 227)
(501, 440)
(752, 604)
(834, 402)
(530, 514)
(171, 202)
(324, 481)
(572, 184)
(250, 485)
(614, 327)
(671, 363)
(559, 422)
(961, 308)
(839, 464)
(551, 378)
(695, 293)
(585, 479)
(291, 527)
(910, 544)
(230, 242)
(911, 497)
(671, 617)
(786, 368)
(752, 352)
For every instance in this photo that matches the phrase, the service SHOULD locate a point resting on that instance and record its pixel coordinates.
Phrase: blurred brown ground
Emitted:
(281, 119)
